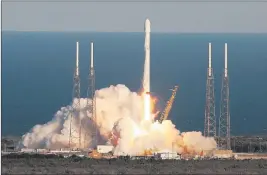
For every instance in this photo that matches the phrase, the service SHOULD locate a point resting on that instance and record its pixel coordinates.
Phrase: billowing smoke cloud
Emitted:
(120, 122)
(135, 139)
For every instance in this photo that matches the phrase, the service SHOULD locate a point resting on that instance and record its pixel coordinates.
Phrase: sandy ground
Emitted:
(87, 166)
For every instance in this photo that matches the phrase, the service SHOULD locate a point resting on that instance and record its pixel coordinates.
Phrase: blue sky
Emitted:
(216, 16)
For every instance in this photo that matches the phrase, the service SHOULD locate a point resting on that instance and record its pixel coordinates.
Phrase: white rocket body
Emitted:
(146, 78)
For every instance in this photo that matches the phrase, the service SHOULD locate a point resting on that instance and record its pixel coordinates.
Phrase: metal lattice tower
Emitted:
(91, 104)
(210, 118)
(75, 123)
(165, 113)
(224, 120)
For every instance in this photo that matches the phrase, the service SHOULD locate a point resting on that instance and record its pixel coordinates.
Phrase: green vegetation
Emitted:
(31, 164)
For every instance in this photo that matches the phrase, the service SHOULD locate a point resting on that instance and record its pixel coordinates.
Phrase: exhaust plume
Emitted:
(120, 122)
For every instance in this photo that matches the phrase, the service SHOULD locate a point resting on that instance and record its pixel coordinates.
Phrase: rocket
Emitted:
(146, 78)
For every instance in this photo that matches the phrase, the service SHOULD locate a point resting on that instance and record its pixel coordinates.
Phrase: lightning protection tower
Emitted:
(210, 119)
(75, 122)
(91, 104)
(224, 120)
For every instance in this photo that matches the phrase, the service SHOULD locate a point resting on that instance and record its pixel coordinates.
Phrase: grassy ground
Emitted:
(76, 165)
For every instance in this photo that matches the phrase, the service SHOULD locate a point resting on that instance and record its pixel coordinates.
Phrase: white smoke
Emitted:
(119, 118)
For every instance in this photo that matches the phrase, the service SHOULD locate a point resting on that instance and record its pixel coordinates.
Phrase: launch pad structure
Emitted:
(224, 119)
(164, 115)
(75, 133)
(210, 117)
(224, 137)
(91, 104)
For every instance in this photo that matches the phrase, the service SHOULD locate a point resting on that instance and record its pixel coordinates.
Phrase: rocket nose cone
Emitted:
(147, 25)
(147, 22)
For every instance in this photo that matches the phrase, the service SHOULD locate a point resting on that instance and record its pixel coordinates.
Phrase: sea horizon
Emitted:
(37, 74)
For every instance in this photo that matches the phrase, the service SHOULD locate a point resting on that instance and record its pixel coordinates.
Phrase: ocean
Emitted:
(38, 67)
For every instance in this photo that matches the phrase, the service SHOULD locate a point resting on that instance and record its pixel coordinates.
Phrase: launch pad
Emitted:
(78, 142)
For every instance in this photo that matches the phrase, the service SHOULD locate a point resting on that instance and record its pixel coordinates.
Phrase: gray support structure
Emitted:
(224, 120)
(210, 118)
(75, 122)
(91, 104)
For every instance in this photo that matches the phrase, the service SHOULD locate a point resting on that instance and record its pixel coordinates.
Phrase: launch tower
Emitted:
(91, 104)
(224, 120)
(210, 118)
(75, 132)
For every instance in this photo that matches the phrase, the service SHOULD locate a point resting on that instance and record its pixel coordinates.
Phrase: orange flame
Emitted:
(150, 111)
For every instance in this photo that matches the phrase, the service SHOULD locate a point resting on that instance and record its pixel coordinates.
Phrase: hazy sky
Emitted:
(130, 16)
